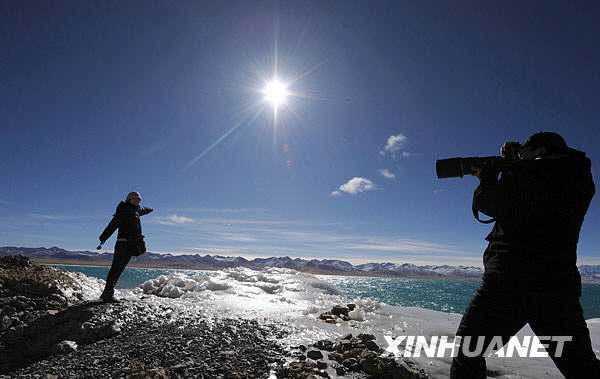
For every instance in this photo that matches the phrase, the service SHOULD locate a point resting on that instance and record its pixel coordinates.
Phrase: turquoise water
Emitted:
(437, 294)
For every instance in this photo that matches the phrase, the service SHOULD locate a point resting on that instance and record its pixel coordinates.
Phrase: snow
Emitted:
(83, 287)
(296, 299)
(356, 314)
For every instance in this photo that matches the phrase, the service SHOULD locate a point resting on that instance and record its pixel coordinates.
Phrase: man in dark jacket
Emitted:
(130, 241)
(530, 263)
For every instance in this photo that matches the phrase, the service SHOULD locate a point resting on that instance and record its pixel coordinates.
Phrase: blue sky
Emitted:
(101, 98)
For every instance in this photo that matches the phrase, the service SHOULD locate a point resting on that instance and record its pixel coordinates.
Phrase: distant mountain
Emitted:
(590, 271)
(215, 262)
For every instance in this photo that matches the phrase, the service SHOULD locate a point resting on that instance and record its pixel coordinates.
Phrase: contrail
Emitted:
(220, 139)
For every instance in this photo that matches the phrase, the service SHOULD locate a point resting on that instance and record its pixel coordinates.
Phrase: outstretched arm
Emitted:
(145, 210)
(112, 225)
(110, 229)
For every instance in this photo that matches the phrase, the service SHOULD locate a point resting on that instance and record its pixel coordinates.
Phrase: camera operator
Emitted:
(531, 276)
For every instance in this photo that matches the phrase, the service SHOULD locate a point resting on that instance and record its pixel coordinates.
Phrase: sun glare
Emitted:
(275, 92)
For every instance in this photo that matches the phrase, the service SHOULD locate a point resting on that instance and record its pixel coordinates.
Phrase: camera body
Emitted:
(459, 167)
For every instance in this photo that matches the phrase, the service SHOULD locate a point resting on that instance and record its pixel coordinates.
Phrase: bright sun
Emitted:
(275, 92)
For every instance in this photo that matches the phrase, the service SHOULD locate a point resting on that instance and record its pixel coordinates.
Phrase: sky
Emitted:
(101, 98)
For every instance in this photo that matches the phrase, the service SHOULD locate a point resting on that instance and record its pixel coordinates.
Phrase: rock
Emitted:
(335, 356)
(366, 337)
(343, 345)
(65, 347)
(321, 365)
(309, 365)
(314, 354)
(369, 363)
(328, 317)
(339, 310)
(372, 345)
(14, 261)
(347, 336)
(351, 306)
(158, 373)
(302, 348)
(339, 369)
(351, 364)
(392, 368)
(326, 345)
(354, 352)
(299, 356)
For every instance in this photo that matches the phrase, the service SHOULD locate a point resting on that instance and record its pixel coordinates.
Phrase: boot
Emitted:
(108, 296)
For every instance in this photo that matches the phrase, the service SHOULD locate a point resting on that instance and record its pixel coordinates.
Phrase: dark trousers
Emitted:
(503, 312)
(121, 258)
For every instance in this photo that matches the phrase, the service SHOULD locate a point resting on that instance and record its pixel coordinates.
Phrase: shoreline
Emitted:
(50, 262)
(102, 264)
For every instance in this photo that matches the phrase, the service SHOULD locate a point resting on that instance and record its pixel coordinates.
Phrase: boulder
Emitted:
(366, 337)
(339, 310)
(314, 354)
(65, 347)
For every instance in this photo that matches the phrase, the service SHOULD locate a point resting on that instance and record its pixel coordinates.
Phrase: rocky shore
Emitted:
(51, 327)
(349, 355)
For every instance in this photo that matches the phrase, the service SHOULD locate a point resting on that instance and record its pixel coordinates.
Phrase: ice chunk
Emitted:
(356, 314)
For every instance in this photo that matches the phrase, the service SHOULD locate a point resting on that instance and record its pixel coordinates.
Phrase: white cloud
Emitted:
(174, 219)
(401, 245)
(386, 173)
(220, 210)
(394, 144)
(354, 186)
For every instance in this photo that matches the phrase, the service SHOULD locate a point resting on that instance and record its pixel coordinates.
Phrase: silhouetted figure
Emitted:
(530, 263)
(130, 241)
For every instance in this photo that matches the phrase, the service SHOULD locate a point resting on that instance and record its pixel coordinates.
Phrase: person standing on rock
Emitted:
(130, 241)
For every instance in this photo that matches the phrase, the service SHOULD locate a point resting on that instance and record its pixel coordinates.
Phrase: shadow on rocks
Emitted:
(53, 334)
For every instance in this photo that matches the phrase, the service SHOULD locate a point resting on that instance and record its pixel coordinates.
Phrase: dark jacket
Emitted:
(539, 207)
(127, 220)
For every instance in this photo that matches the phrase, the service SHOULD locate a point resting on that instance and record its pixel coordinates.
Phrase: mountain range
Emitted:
(58, 255)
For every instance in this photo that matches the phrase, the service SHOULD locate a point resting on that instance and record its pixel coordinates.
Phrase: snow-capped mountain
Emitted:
(213, 262)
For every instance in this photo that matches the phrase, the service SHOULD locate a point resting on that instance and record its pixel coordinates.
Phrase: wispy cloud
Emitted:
(395, 147)
(60, 217)
(354, 186)
(47, 216)
(393, 144)
(386, 244)
(386, 173)
(173, 219)
(221, 210)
